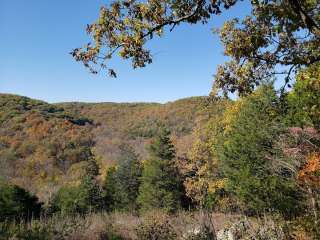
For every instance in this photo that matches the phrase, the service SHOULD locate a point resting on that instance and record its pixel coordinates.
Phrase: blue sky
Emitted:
(37, 35)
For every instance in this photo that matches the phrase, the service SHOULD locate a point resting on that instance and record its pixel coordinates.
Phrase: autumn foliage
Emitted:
(310, 173)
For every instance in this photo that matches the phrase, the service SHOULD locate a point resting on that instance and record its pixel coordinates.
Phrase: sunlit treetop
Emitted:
(278, 32)
(279, 38)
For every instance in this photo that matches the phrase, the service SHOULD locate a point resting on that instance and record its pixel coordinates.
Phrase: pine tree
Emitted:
(246, 154)
(128, 176)
(89, 186)
(91, 192)
(160, 186)
(109, 189)
(92, 168)
(122, 182)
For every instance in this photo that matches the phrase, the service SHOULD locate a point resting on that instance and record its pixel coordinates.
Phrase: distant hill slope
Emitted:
(43, 146)
(137, 123)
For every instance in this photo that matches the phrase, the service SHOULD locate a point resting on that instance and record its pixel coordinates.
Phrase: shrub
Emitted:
(268, 228)
(16, 203)
(78, 199)
(34, 231)
(156, 226)
(68, 199)
(61, 227)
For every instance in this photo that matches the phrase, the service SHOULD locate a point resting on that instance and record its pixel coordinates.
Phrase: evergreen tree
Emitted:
(128, 178)
(83, 198)
(92, 168)
(17, 203)
(109, 189)
(92, 193)
(89, 186)
(122, 183)
(246, 151)
(160, 186)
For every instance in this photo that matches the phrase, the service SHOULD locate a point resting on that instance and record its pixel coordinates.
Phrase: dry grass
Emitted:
(124, 226)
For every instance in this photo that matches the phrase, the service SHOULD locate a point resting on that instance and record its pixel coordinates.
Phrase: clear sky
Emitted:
(37, 35)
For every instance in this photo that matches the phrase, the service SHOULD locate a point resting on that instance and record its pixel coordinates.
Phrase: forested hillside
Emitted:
(41, 145)
(44, 146)
(137, 123)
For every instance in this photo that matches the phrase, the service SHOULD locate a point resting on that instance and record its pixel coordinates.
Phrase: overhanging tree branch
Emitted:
(307, 20)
